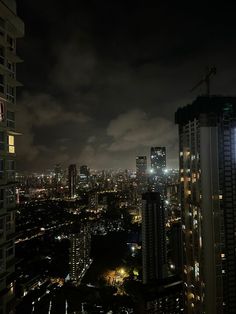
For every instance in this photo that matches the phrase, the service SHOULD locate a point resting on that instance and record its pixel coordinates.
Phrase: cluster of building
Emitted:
(188, 221)
(205, 234)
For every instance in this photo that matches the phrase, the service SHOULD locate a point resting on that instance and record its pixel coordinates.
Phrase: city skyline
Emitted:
(106, 87)
(105, 83)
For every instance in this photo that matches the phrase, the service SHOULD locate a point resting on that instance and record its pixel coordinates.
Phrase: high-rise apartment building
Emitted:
(158, 165)
(207, 141)
(158, 160)
(141, 173)
(80, 261)
(153, 238)
(11, 27)
(72, 180)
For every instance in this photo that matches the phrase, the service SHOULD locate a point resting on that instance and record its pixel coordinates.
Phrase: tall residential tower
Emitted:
(11, 27)
(207, 142)
(141, 173)
(158, 160)
(72, 180)
(153, 238)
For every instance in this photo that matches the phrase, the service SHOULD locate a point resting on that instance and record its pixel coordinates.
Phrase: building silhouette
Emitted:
(72, 180)
(175, 247)
(207, 141)
(11, 28)
(141, 173)
(84, 173)
(153, 238)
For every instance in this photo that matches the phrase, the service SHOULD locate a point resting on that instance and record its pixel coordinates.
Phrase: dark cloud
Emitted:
(104, 78)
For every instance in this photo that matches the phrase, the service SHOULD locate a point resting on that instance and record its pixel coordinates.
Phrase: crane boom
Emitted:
(207, 79)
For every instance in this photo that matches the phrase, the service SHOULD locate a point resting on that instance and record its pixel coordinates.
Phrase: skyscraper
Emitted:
(207, 141)
(79, 254)
(72, 180)
(141, 173)
(158, 165)
(84, 170)
(84, 173)
(158, 160)
(11, 27)
(153, 237)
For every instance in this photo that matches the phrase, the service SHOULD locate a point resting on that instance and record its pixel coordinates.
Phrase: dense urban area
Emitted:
(152, 238)
(79, 237)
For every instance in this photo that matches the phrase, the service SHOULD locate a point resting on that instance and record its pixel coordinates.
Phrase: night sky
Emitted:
(102, 79)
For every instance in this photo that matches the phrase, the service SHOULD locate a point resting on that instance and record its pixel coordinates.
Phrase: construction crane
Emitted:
(209, 73)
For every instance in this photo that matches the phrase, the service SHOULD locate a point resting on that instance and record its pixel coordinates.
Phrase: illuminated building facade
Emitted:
(11, 27)
(158, 160)
(153, 237)
(158, 165)
(207, 141)
(141, 173)
(84, 171)
(175, 247)
(72, 180)
(79, 254)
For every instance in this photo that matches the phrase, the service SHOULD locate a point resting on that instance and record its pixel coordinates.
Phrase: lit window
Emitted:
(11, 144)
(220, 197)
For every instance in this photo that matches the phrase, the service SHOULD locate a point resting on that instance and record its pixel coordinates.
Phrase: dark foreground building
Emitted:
(11, 28)
(153, 237)
(207, 143)
(161, 297)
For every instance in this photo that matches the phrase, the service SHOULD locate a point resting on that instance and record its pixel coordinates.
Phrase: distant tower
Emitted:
(153, 237)
(158, 160)
(158, 165)
(58, 173)
(141, 173)
(72, 179)
(84, 173)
